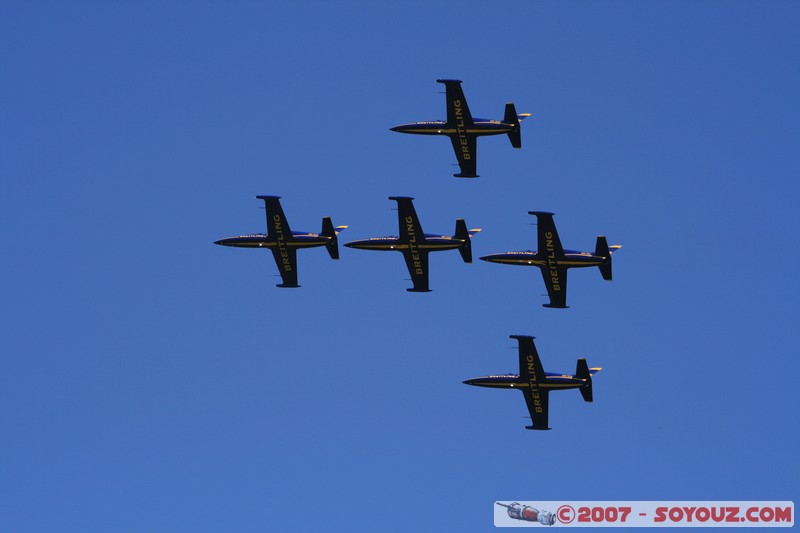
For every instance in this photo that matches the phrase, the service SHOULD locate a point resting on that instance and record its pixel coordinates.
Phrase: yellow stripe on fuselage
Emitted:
(540, 263)
(451, 131)
(423, 246)
(518, 385)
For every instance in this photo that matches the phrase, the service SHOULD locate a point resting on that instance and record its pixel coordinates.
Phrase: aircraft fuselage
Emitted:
(480, 127)
(262, 240)
(513, 381)
(430, 243)
(571, 259)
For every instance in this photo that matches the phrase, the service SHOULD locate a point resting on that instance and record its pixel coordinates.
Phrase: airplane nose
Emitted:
(396, 128)
(218, 242)
(348, 245)
(468, 381)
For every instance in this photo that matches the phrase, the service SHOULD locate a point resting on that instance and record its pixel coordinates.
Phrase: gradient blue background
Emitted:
(151, 381)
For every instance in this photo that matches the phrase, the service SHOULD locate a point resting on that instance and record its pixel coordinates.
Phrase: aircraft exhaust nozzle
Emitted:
(601, 250)
(462, 234)
(510, 117)
(329, 231)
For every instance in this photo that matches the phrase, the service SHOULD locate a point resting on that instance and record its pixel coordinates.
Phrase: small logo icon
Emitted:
(528, 513)
(566, 514)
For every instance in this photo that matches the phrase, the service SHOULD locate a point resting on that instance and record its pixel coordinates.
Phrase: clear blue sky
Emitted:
(151, 381)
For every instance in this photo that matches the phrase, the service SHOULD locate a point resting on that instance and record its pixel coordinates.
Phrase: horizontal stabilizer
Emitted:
(511, 117)
(329, 231)
(465, 235)
(586, 392)
(601, 250)
(582, 372)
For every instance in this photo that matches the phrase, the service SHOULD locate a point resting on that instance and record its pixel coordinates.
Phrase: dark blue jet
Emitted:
(536, 384)
(553, 260)
(283, 242)
(464, 131)
(415, 245)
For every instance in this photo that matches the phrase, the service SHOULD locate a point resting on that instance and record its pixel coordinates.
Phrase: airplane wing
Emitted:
(417, 264)
(460, 119)
(457, 108)
(278, 229)
(410, 233)
(549, 247)
(409, 227)
(538, 407)
(277, 225)
(548, 241)
(466, 148)
(530, 366)
(286, 261)
(555, 279)
(532, 372)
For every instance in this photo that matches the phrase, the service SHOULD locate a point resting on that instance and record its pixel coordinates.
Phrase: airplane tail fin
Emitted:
(601, 250)
(511, 117)
(582, 372)
(329, 231)
(462, 233)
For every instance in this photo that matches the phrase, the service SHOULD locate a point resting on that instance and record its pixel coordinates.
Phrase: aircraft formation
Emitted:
(415, 245)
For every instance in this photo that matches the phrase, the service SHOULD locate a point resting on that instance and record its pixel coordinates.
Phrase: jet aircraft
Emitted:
(554, 261)
(415, 244)
(536, 384)
(463, 130)
(283, 242)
